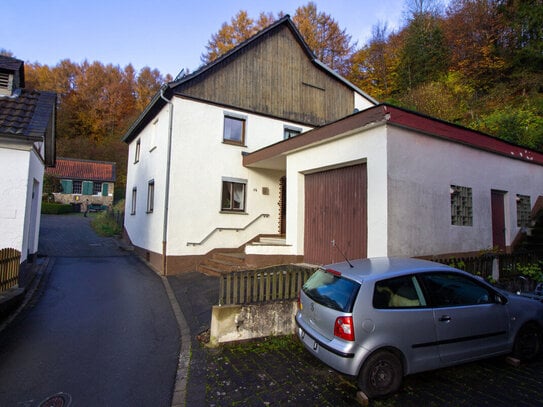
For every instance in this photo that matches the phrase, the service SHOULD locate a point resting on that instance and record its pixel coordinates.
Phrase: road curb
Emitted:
(180, 388)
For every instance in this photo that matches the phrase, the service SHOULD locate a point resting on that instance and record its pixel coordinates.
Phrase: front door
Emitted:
(498, 219)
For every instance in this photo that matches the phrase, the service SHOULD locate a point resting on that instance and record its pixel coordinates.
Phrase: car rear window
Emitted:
(331, 290)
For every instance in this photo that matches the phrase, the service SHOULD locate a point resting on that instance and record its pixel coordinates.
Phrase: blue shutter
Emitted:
(86, 188)
(67, 186)
(104, 189)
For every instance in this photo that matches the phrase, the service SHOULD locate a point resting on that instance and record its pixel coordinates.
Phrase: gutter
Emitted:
(167, 187)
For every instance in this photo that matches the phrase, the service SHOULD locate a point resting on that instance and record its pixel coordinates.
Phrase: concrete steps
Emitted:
(221, 262)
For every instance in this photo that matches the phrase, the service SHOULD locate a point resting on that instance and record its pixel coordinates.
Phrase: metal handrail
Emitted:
(262, 215)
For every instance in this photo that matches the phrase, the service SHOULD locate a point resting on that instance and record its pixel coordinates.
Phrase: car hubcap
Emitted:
(382, 375)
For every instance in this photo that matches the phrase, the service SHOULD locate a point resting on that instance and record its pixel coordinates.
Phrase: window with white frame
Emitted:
(234, 129)
(97, 188)
(461, 206)
(233, 195)
(76, 187)
(524, 210)
(150, 196)
(134, 199)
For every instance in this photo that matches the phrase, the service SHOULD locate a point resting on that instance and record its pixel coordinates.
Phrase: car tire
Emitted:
(528, 342)
(381, 374)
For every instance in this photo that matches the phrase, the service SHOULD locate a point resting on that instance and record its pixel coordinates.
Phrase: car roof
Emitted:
(370, 268)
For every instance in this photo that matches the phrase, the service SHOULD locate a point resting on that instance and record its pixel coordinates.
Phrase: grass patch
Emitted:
(106, 223)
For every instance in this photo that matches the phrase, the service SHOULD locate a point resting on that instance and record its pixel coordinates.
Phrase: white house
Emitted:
(266, 141)
(188, 193)
(27, 146)
(390, 182)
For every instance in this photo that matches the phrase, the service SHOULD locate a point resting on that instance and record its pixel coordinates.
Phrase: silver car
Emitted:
(382, 318)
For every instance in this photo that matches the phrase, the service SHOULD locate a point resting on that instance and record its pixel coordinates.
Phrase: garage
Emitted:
(335, 211)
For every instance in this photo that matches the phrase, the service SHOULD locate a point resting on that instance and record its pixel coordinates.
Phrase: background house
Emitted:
(27, 146)
(84, 181)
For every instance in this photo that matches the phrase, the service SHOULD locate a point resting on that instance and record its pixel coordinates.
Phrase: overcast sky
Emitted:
(168, 35)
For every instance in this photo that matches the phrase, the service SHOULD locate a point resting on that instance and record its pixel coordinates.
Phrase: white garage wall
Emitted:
(421, 171)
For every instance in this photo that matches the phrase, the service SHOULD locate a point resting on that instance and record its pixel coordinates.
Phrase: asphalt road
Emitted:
(100, 331)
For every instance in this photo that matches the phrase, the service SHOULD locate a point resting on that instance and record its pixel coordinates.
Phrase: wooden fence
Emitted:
(10, 260)
(284, 282)
(257, 286)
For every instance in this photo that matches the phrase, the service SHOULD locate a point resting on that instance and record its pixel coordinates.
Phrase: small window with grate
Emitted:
(524, 210)
(461, 206)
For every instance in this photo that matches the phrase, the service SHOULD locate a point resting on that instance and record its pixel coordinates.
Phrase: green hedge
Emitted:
(55, 208)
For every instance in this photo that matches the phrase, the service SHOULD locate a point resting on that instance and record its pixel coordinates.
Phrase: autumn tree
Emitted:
(373, 67)
(473, 29)
(330, 44)
(325, 38)
(424, 55)
(241, 28)
(96, 104)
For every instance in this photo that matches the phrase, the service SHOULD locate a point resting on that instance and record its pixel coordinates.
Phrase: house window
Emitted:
(133, 204)
(461, 206)
(150, 196)
(137, 153)
(234, 130)
(524, 210)
(289, 132)
(76, 187)
(97, 188)
(233, 195)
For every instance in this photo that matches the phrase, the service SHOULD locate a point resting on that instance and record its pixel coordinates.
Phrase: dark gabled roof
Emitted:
(27, 114)
(13, 65)
(395, 116)
(167, 91)
(85, 170)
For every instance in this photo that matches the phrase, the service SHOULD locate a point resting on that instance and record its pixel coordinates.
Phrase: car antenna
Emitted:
(343, 254)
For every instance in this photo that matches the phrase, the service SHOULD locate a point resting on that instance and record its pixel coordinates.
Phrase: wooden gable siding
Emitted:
(276, 77)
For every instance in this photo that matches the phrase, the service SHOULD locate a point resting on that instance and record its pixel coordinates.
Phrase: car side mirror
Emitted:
(500, 299)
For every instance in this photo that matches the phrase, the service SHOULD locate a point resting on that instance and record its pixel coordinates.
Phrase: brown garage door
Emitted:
(335, 210)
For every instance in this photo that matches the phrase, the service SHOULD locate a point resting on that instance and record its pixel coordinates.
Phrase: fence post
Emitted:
(496, 268)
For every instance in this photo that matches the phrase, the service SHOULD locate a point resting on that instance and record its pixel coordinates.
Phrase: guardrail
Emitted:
(220, 229)
(10, 260)
(263, 285)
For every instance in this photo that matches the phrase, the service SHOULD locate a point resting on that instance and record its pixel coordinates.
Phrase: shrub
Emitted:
(51, 208)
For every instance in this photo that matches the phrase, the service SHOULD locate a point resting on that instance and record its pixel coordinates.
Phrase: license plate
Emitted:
(308, 341)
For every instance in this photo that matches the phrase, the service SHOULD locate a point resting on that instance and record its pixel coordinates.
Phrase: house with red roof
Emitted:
(27, 147)
(84, 182)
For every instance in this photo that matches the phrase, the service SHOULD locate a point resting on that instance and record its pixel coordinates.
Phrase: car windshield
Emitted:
(332, 291)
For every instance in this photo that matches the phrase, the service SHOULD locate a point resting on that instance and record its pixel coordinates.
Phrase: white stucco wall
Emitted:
(362, 146)
(145, 229)
(421, 171)
(22, 174)
(200, 160)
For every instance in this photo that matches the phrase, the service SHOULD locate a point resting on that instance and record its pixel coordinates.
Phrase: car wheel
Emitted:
(381, 374)
(528, 342)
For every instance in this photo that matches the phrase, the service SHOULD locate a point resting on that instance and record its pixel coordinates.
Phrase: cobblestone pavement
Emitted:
(280, 372)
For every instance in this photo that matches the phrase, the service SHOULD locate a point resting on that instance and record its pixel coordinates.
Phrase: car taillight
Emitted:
(344, 328)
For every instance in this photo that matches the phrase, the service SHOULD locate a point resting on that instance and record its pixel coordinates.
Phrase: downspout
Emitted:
(167, 186)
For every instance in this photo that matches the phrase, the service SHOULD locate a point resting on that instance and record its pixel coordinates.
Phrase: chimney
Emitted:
(11, 76)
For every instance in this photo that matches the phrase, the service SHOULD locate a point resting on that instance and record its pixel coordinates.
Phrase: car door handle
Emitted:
(445, 318)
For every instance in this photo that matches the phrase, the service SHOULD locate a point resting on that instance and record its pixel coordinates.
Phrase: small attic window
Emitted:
(6, 83)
